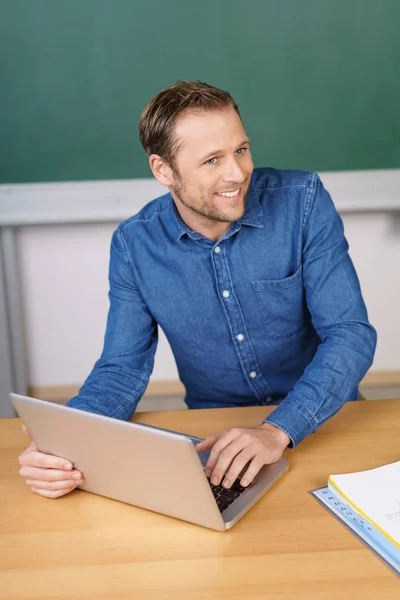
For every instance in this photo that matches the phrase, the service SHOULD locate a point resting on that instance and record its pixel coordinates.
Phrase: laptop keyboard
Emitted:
(225, 497)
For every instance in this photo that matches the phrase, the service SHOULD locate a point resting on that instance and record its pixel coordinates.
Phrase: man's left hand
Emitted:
(232, 450)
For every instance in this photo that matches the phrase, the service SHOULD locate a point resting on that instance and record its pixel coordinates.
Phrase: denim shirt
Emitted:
(270, 314)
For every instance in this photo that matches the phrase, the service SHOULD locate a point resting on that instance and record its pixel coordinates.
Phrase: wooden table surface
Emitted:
(287, 547)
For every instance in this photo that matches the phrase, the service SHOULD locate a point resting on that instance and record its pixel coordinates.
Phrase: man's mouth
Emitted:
(230, 194)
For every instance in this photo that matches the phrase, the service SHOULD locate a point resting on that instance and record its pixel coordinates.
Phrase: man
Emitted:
(248, 274)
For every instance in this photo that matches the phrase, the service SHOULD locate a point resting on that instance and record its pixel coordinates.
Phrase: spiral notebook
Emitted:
(368, 504)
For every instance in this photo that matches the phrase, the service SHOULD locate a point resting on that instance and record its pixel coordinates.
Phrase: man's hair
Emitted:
(158, 119)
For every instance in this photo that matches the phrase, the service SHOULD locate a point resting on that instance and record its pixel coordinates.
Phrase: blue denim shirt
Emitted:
(271, 313)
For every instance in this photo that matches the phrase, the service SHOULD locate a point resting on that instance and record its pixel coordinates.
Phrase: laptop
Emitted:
(142, 465)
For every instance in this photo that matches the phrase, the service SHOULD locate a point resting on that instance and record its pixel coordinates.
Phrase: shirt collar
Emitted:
(253, 217)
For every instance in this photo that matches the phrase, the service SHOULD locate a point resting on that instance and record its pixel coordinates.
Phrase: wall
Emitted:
(64, 271)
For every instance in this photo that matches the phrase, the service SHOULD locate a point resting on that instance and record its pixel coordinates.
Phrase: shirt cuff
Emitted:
(294, 421)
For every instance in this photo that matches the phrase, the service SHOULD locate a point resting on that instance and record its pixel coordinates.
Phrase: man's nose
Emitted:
(233, 172)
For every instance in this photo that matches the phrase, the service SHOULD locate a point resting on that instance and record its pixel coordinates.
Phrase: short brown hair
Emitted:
(158, 119)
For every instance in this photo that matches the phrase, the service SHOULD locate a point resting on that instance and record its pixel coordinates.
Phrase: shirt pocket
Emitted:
(281, 304)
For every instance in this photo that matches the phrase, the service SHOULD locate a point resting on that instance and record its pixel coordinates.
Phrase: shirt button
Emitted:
(217, 249)
(253, 374)
(240, 337)
(225, 294)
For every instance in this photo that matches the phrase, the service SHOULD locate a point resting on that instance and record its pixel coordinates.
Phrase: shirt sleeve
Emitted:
(120, 376)
(339, 316)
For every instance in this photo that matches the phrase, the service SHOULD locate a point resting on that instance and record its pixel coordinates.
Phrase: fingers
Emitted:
(51, 493)
(52, 486)
(234, 449)
(208, 443)
(51, 483)
(230, 461)
(26, 432)
(30, 448)
(32, 457)
(237, 467)
(219, 446)
(231, 472)
(254, 468)
(232, 452)
(49, 475)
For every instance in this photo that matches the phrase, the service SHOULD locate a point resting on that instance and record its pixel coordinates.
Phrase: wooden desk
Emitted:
(286, 548)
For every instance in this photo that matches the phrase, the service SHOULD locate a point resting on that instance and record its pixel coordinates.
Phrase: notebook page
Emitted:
(375, 494)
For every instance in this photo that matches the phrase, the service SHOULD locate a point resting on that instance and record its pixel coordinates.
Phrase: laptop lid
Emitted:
(145, 466)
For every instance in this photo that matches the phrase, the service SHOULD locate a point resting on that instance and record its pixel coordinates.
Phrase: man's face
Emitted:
(213, 167)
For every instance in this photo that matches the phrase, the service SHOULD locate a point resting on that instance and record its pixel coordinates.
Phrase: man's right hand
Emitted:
(47, 475)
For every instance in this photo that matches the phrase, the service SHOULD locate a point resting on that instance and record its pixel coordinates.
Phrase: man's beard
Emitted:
(207, 210)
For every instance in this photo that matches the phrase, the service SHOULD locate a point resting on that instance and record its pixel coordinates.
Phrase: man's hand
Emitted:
(232, 450)
(47, 475)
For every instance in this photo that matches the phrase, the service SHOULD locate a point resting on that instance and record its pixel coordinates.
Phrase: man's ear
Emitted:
(161, 170)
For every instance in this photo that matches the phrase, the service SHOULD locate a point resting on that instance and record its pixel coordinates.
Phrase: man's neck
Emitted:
(202, 225)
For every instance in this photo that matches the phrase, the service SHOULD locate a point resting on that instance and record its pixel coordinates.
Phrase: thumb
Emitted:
(207, 444)
(26, 432)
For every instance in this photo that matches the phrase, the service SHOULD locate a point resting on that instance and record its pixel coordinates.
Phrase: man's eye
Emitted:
(211, 161)
(241, 151)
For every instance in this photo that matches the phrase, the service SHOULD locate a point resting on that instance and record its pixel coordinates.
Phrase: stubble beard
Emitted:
(207, 209)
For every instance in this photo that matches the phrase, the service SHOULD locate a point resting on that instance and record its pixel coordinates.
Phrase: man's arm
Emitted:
(340, 318)
(120, 376)
(117, 380)
(343, 357)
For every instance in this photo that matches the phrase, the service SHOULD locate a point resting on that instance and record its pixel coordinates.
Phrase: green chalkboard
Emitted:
(317, 81)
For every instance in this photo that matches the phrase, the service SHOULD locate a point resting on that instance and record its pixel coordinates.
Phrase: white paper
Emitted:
(376, 493)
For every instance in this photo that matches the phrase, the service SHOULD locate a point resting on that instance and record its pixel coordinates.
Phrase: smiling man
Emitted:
(247, 272)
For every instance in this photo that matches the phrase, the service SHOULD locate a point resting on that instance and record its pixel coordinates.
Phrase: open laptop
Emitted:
(146, 466)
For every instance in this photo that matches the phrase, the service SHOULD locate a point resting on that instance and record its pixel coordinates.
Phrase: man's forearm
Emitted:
(112, 392)
(338, 366)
